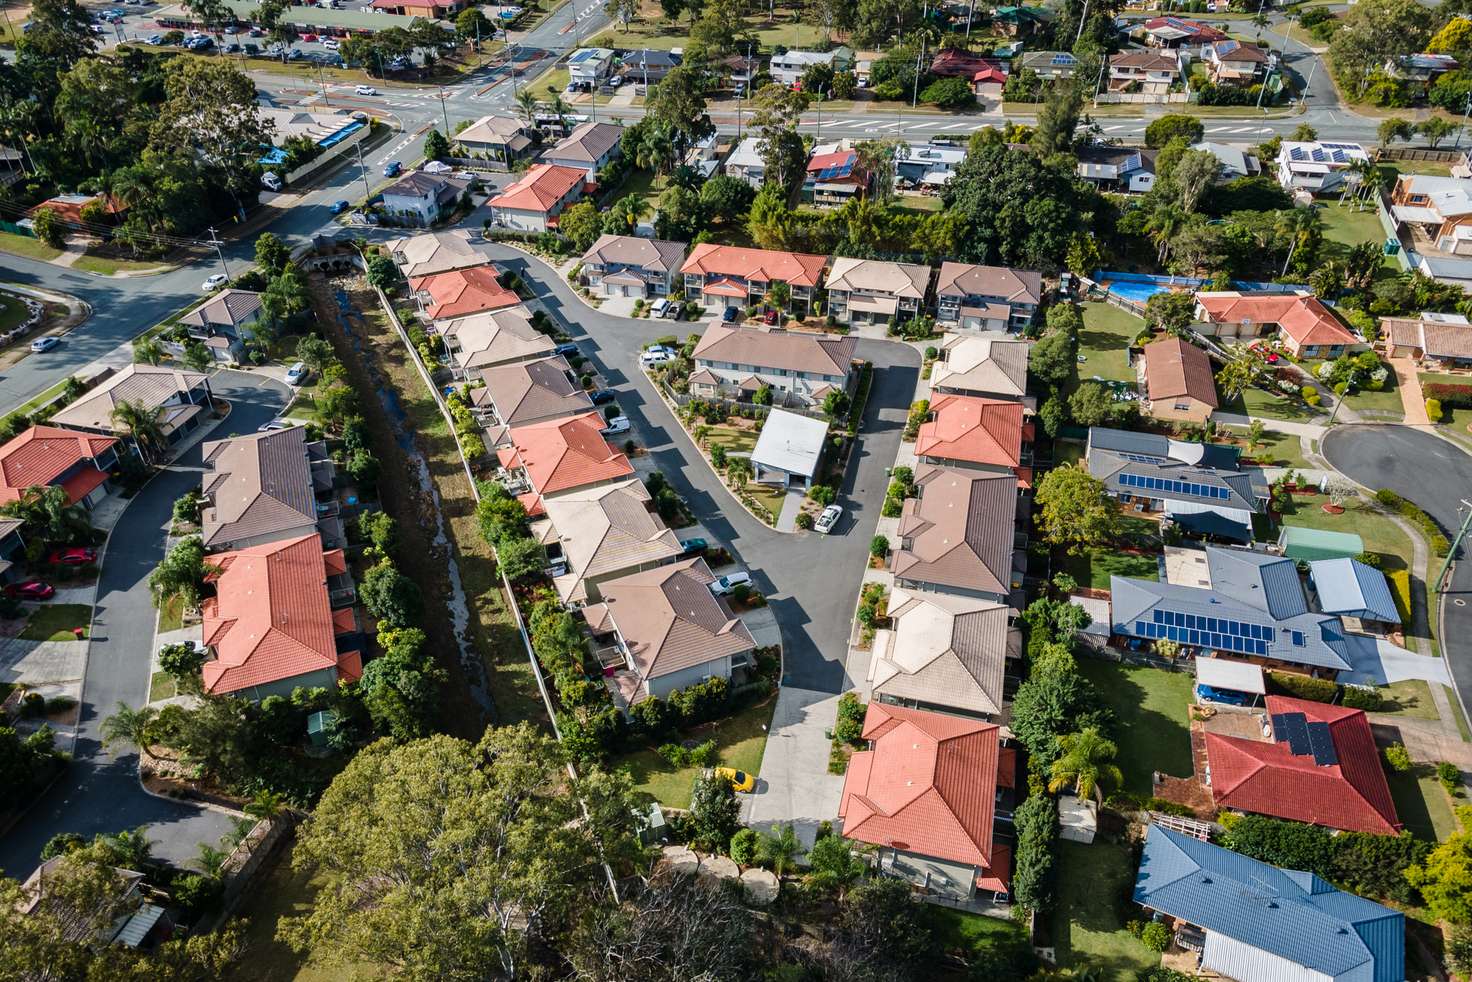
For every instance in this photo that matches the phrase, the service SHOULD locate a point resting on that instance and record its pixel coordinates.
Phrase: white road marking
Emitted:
(1111, 129)
(1217, 129)
(956, 126)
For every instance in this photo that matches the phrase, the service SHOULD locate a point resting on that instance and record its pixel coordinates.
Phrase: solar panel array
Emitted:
(1336, 153)
(1292, 729)
(1321, 743)
(1221, 633)
(1177, 487)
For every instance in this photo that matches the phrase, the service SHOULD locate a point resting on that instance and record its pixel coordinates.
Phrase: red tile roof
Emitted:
(956, 63)
(460, 292)
(540, 188)
(1174, 368)
(765, 265)
(1269, 779)
(970, 428)
(927, 787)
(270, 618)
(42, 454)
(1301, 316)
(561, 454)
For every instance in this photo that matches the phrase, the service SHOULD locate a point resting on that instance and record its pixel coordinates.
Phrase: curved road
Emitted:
(100, 793)
(1436, 475)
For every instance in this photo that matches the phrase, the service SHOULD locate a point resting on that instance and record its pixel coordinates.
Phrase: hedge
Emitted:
(1303, 687)
(1433, 410)
(1454, 394)
(1400, 588)
(1410, 510)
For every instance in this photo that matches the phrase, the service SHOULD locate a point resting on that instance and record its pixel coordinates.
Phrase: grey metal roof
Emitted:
(1213, 455)
(1269, 583)
(1292, 914)
(1349, 587)
(1115, 453)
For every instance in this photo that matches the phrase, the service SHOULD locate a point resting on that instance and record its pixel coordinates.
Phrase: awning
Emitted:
(177, 416)
(849, 188)
(992, 311)
(1212, 523)
(874, 305)
(1416, 215)
(725, 288)
(139, 925)
(624, 278)
(1223, 673)
(936, 178)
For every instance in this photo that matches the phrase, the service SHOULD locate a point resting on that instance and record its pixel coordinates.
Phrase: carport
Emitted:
(1225, 680)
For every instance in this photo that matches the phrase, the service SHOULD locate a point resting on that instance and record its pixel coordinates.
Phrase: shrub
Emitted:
(822, 494)
(1454, 395)
(676, 755)
(1398, 757)
(1433, 410)
(1303, 687)
(1155, 936)
(1357, 698)
(879, 546)
(745, 845)
(1449, 776)
(704, 755)
(804, 520)
(918, 411)
(850, 724)
(1410, 510)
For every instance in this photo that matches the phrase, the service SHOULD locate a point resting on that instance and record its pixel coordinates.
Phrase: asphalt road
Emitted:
(1435, 475)
(100, 792)
(811, 581)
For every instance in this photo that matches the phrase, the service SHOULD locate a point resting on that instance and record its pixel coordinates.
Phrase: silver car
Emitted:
(829, 520)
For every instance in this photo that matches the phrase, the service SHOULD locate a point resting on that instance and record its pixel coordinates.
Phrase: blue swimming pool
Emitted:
(1140, 287)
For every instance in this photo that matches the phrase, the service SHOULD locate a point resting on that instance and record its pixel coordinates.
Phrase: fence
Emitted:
(240, 868)
(1140, 98)
(1417, 153)
(475, 163)
(1391, 229)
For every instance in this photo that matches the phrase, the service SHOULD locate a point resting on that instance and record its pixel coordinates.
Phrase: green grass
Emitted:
(171, 615)
(1422, 803)
(733, 439)
(13, 312)
(1094, 883)
(1104, 341)
(1150, 705)
(1095, 567)
(1256, 402)
(161, 685)
(55, 622)
(1459, 715)
(1382, 405)
(650, 30)
(769, 498)
(1344, 226)
(740, 741)
(1276, 449)
(282, 892)
(645, 184)
(555, 79)
(1068, 453)
(1411, 697)
(918, 202)
(24, 245)
(958, 929)
(1433, 167)
(107, 266)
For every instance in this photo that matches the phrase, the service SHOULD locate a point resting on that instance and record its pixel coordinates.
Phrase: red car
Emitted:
(75, 556)
(309, 38)
(771, 317)
(30, 590)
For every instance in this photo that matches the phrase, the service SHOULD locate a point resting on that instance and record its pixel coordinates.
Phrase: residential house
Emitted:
(493, 337)
(1239, 604)
(1237, 65)
(721, 276)
(1318, 764)
(1115, 168)
(423, 199)
(496, 138)
(833, 177)
(1021, 21)
(1249, 920)
(559, 455)
(1442, 339)
(977, 434)
(1236, 160)
(987, 298)
(1316, 167)
(1178, 381)
(124, 915)
(789, 67)
(180, 401)
(747, 163)
(436, 252)
(49, 456)
(590, 66)
(647, 65)
(958, 535)
(985, 75)
(926, 165)
(1304, 325)
(872, 291)
(630, 266)
(927, 794)
(599, 533)
(1178, 32)
(1050, 65)
(1352, 590)
(1438, 209)
(527, 392)
(588, 148)
(1445, 269)
(265, 487)
(535, 201)
(671, 630)
(987, 365)
(800, 365)
(739, 71)
(68, 207)
(271, 627)
(944, 653)
(1153, 473)
(789, 450)
(461, 292)
(223, 321)
(1420, 67)
(1144, 72)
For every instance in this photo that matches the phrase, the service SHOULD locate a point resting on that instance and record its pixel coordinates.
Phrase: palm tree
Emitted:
(1162, 225)
(779, 852)
(265, 805)
(144, 427)
(560, 109)
(211, 859)
(49, 515)
(1259, 21)
(1086, 764)
(148, 351)
(656, 151)
(630, 208)
(527, 105)
(128, 726)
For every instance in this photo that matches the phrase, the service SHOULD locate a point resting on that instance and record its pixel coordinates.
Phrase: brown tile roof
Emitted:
(1149, 61)
(1437, 338)
(258, 484)
(496, 130)
(670, 621)
(795, 351)
(149, 386)
(891, 279)
(607, 530)
(587, 142)
(1014, 285)
(655, 255)
(982, 364)
(228, 308)
(494, 337)
(1174, 368)
(761, 265)
(435, 252)
(42, 454)
(528, 391)
(944, 650)
(960, 529)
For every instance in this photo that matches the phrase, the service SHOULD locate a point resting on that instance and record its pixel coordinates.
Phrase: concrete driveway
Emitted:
(100, 792)
(795, 786)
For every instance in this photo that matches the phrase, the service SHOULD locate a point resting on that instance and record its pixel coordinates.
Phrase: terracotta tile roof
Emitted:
(1012, 285)
(562, 454)
(670, 621)
(258, 484)
(1302, 316)
(149, 386)
(539, 189)
(458, 292)
(1175, 368)
(982, 431)
(764, 265)
(886, 278)
(960, 530)
(795, 351)
(270, 619)
(944, 650)
(956, 63)
(982, 365)
(927, 786)
(1194, 29)
(495, 337)
(607, 530)
(528, 391)
(1270, 779)
(42, 454)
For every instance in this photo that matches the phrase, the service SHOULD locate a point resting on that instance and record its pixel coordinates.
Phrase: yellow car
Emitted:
(740, 780)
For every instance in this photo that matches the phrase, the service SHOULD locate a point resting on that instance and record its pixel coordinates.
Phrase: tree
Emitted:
(1242, 371)
(676, 106)
(1445, 878)
(1367, 37)
(720, 27)
(623, 11)
(1051, 704)
(1171, 126)
(1092, 404)
(521, 557)
(1058, 118)
(181, 574)
(715, 814)
(211, 117)
(1459, 950)
(776, 113)
(1013, 207)
(833, 866)
(949, 93)
(779, 853)
(48, 516)
(147, 351)
(1194, 173)
(1036, 823)
(881, 924)
(473, 26)
(315, 352)
(128, 726)
(1454, 39)
(446, 859)
(390, 596)
(1075, 512)
(272, 255)
(1435, 129)
(144, 426)
(1086, 764)
(436, 144)
(725, 198)
(182, 660)
(48, 227)
(623, 218)
(1395, 128)
(1171, 312)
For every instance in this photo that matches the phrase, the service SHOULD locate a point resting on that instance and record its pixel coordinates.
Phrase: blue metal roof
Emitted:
(1269, 583)
(1350, 588)
(1288, 913)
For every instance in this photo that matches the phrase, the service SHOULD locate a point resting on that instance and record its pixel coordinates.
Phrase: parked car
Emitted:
(46, 343)
(330, 44)
(566, 348)
(655, 356)
(74, 556)
(297, 54)
(365, 90)
(30, 590)
(275, 424)
(156, 39)
(338, 207)
(392, 168)
(214, 282)
(250, 49)
(828, 521)
(664, 307)
(617, 425)
(694, 546)
(771, 317)
(232, 48)
(730, 582)
(271, 181)
(297, 374)
(309, 38)
(730, 314)
(602, 396)
(1224, 696)
(740, 780)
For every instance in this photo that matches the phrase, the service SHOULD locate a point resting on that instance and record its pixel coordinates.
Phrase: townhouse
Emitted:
(987, 365)
(588, 148)
(546, 459)
(461, 292)
(720, 276)
(735, 362)
(987, 298)
(972, 433)
(49, 456)
(222, 323)
(535, 201)
(958, 536)
(436, 252)
(526, 392)
(630, 266)
(493, 337)
(423, 199)
(596, 534)
(871, 291)
(264, 487)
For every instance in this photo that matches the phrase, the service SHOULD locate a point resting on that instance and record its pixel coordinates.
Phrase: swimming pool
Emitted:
(1140, 287)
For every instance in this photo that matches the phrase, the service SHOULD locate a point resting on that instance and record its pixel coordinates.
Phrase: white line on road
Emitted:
(1111, 129)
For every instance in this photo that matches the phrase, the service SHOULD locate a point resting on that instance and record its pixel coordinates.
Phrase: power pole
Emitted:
(1466, 509)
(445, 113)
(363, 172)
(215, 241)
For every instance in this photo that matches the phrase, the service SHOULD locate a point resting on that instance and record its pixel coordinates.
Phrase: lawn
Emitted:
(958, 929)
(769, 498)
(1150, 707)
(1068, 453)
(1093, 568)
(56, 622)
(1411, 697)
(733, 439)
(303, 403)
(1103, 343)
(650, 29)
(171, 615)
(740, 740)
(1094, 883)
(24, 245)
(281, 892)
(1346, 226)
(1458, 715)
(12, 312)
(109, 266)
(161, 685)
(1382, 405)
(1276, 449)
(1422, 803)
(1257, 402)
(644, 184)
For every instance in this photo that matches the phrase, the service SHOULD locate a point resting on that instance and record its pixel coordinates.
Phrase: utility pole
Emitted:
(1303, 102)
(215, 241)
(1456, 542)
(444, 113)
(363, 172)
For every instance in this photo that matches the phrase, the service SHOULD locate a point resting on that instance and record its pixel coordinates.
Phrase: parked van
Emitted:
(271, 181)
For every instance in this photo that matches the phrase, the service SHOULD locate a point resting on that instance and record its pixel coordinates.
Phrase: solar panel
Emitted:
(1321, 743)
(1292, 729)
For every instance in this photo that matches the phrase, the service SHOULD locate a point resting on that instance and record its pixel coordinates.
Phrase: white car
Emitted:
(828, 521)
(619, 424)
(297, 374)
(664, 307)
(365, 90)
(655, 356)
(215, 282)
(275, 424)
(45, 344)
(331, 44)
(730, 582)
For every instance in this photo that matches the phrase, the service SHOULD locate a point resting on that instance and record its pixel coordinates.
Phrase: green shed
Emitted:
(1308, 544)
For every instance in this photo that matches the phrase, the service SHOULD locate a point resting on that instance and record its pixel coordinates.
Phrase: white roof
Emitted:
(747, 154)
(1098, 611)
(1223, 673)
(804, 58)
(931, 153)
(790, 442)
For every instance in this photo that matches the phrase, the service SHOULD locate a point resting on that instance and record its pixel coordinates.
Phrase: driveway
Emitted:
(1436, 475)
(100, 791)
(811, 581)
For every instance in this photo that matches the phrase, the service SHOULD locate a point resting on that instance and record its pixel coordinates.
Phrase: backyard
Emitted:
(282, 892)
(740, 740)
(1422, 803)
(1274, 450)
(1347, 225)
(1103, 344)
(57, 622)
(651, 29)
(1094, 883)
(1257, 402)
(1094, 567)
(1150, 706)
